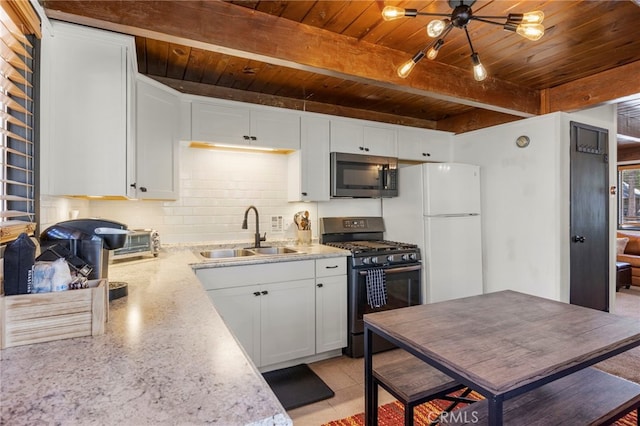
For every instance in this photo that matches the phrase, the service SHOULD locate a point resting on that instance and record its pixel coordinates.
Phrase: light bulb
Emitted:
(405, 69)
(433, 51)
(530, 31)
(436, 27)
(526, 18)
(389, 13)
(479, 72)
(535, 17)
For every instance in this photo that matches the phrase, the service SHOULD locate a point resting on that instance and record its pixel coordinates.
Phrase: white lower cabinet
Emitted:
(287, 323)
(281, 311)
(273, 322)
(331, 304)
(240, 309)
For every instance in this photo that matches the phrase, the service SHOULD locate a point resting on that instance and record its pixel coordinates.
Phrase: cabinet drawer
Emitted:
(242, 275)
(331, 266)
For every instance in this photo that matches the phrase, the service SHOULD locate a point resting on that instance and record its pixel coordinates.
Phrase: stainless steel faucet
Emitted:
(258, 238)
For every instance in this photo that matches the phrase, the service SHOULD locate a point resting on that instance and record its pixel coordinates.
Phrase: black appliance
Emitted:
(363, 176)
(88, 239)
(400, 263)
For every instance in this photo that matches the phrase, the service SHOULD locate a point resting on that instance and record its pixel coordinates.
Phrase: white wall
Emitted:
(521, 208)
(525, 200)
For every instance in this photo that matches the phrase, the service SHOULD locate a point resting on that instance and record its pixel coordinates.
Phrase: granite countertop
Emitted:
(166, 357)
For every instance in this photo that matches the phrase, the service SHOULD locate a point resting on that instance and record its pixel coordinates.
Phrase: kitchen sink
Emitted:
(272, 250)
(226, 253)
(250, 251)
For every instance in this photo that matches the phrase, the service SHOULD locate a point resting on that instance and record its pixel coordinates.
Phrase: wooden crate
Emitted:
(34, 318)
(10, 230)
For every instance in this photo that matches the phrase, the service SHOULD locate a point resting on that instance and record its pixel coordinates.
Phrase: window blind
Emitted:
(17, 178)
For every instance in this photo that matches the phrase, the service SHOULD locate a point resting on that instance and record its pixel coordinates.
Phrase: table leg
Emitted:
(495, 410)
(370, 411)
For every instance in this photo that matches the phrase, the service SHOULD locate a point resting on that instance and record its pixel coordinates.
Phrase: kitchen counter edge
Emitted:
(166, 357)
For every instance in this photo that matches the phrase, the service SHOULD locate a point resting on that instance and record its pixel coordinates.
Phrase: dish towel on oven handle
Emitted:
(376, 288)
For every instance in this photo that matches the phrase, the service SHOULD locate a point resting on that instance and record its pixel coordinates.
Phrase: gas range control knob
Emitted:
(410, 256)
(391, 258)
(375, 260)
(366, 260)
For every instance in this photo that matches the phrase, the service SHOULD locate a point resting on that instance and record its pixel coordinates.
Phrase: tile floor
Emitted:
(345, 376)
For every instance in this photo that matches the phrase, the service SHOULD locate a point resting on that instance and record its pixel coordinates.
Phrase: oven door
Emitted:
(403, 289)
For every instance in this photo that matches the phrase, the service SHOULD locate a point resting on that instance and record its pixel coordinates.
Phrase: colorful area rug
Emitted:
(393, 415)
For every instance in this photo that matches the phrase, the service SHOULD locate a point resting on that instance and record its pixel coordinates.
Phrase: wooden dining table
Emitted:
(501, 344)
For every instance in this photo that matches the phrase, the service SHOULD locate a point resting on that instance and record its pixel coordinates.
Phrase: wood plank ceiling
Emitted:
(339, 57)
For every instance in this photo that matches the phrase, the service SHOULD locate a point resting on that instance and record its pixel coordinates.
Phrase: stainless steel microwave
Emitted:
(363, 176)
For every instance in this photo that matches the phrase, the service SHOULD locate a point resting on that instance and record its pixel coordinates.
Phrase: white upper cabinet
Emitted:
(358, 137)
(224, 123)
(309, 167)
(157, 129)
(275, 129)
(234, 123)
(88, 98)
(424, 145)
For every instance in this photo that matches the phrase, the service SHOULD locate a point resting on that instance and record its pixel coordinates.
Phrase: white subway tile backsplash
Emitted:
(216, 187)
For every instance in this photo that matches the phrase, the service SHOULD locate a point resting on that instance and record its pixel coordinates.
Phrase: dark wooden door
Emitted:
(589, 217)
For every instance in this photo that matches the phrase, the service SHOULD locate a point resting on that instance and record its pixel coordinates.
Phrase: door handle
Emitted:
(578, 239)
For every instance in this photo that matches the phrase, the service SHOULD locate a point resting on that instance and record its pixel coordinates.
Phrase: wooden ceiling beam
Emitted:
(611, 86)
(474, 120)
(238, 31)
(202, 89)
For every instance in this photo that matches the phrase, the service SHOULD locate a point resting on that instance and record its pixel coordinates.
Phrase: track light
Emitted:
(528, 25)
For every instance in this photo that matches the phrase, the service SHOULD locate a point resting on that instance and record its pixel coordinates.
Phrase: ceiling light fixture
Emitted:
(528, 25)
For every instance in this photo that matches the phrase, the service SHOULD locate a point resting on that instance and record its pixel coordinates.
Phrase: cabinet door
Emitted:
(309, 168)
(239, 307)
(346, 137)
(87, 112)
(156, 142)
(288, 321)
(223, 123)
(423, 145)
(331, 313)
(380, 141)
(275, 129)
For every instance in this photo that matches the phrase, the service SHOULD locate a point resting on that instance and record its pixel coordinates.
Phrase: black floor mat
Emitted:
(297, 386)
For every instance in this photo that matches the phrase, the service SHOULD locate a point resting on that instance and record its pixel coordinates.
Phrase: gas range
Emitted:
(379, 252)
(363, 236)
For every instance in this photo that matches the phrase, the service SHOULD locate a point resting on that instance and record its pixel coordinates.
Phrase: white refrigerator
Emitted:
(438, 208)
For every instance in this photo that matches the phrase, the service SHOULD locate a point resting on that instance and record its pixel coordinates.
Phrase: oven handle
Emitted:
(398, 270)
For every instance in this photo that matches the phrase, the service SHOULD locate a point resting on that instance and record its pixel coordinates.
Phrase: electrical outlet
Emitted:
(277, 223)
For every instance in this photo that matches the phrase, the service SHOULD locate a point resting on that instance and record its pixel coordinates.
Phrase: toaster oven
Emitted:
(139, 242)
